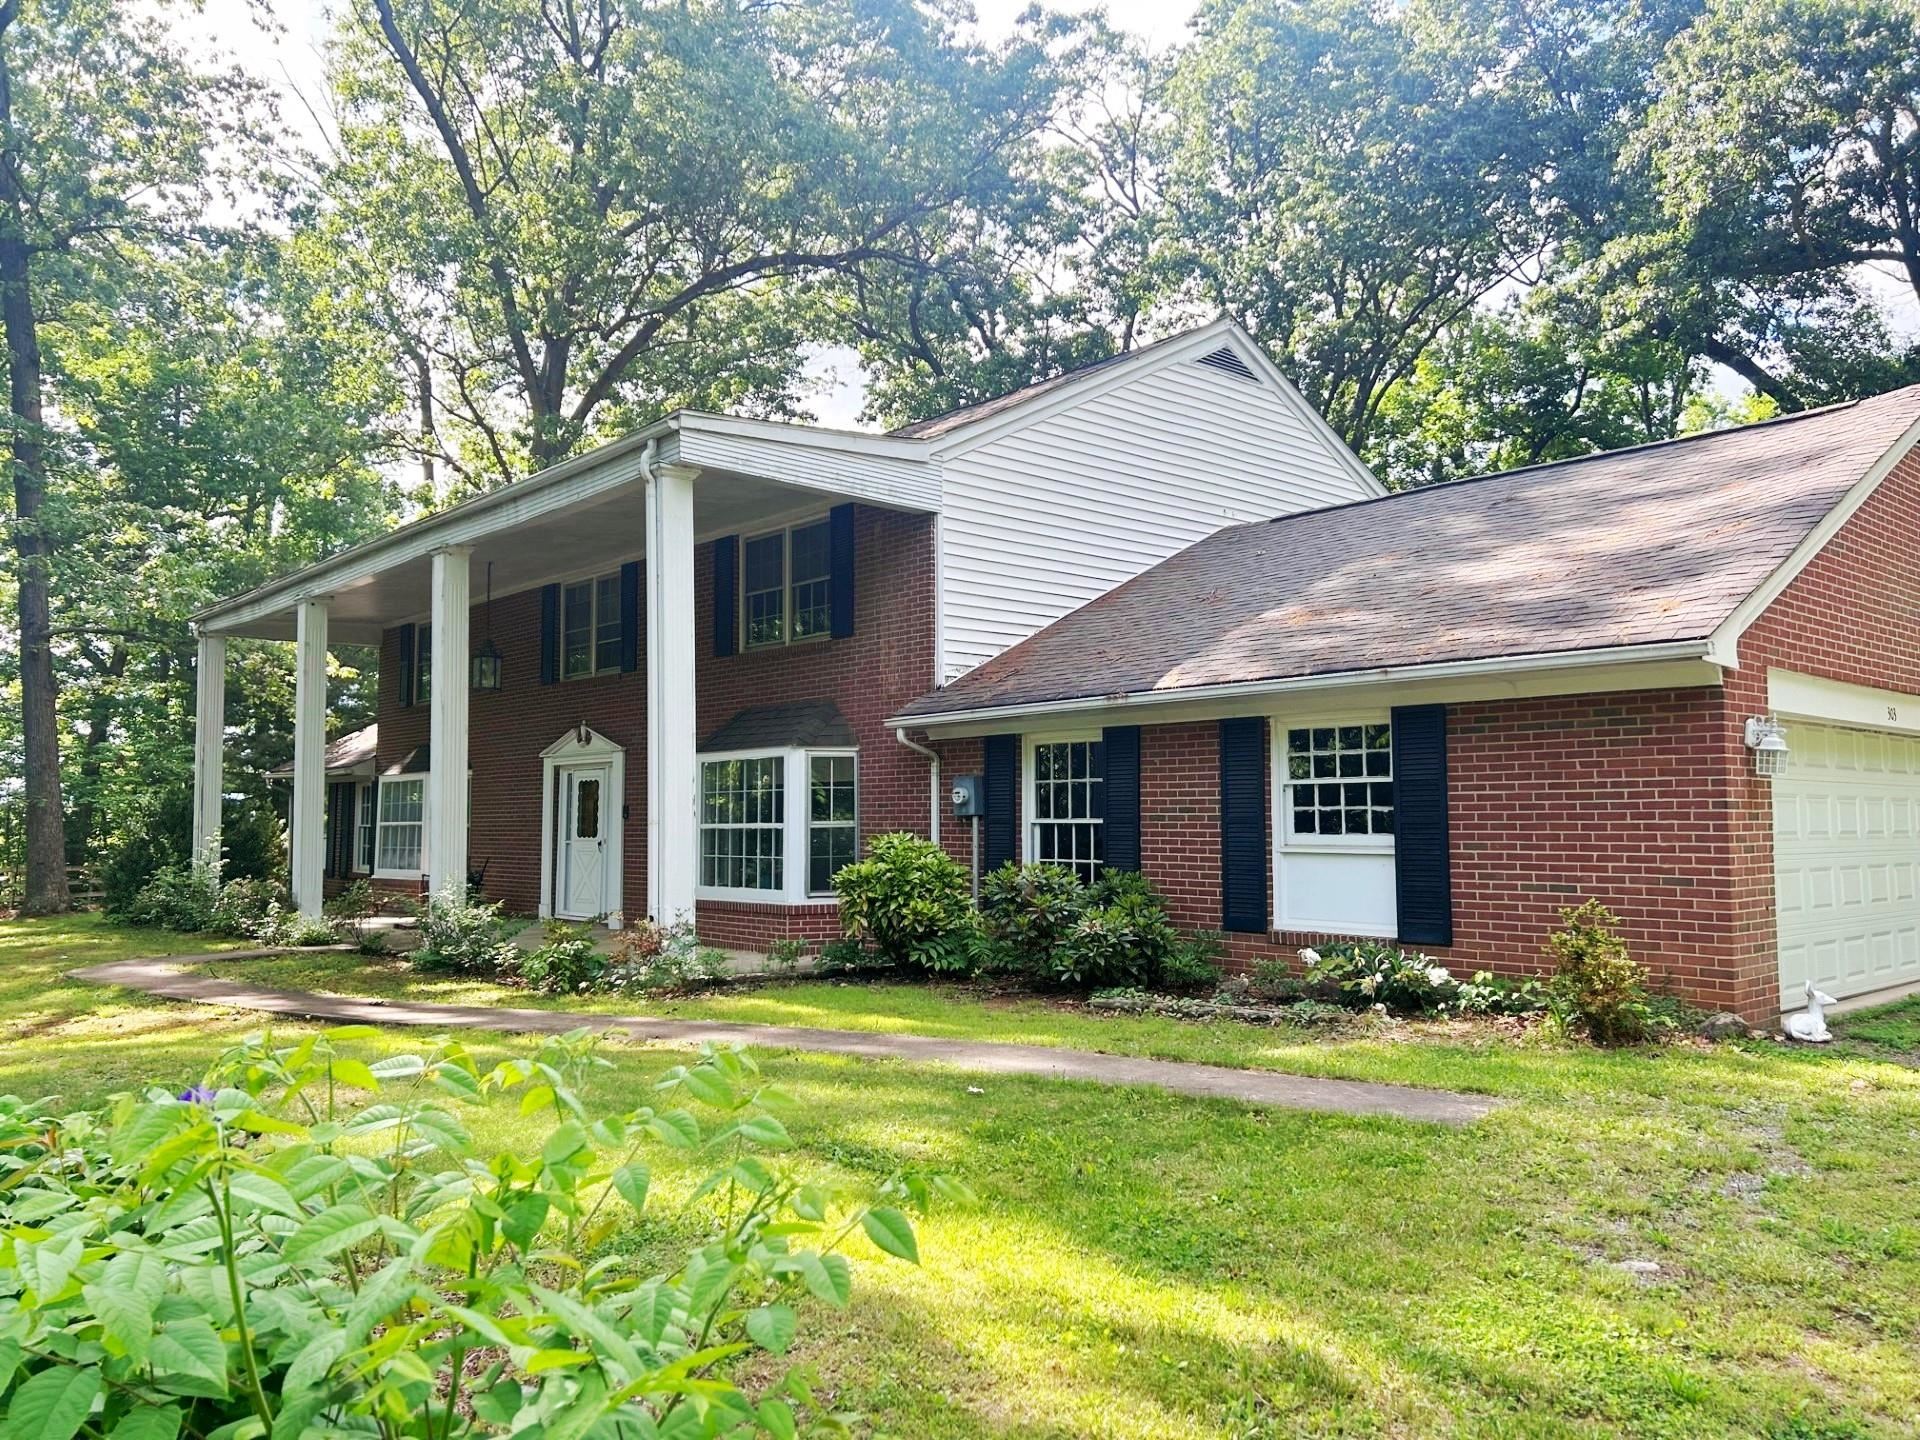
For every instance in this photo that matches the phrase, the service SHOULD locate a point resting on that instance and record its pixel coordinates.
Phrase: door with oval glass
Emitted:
(581, 885)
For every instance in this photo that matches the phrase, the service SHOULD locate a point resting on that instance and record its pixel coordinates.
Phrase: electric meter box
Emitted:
(969, 793)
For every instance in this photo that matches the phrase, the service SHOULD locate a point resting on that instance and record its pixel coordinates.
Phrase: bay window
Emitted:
(1334, 825)
(776, 826)
(1066, 804)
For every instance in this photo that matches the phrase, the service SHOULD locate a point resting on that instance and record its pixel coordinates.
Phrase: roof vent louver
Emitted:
(1228, 359)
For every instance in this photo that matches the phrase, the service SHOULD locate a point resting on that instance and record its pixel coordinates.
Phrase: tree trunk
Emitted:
(46, 878)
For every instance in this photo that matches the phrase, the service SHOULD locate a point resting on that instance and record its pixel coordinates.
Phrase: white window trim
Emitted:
(1029, 744)
(807, 757)
(582, 747)
(592, 582)
(785, 532)
(1286, 843)
(795, 822)
(425, 839)
(366, 821)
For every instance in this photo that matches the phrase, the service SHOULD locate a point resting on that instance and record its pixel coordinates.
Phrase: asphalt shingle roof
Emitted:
(1659, 543)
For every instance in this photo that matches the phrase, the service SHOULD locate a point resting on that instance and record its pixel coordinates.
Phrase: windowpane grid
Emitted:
(606, 626)
(764, 586)
(364, 824)
(831, 826)
(742, 817)
(402, 820)
(1340, 780)
(577, 630)
(812, 581)
(1069, 805)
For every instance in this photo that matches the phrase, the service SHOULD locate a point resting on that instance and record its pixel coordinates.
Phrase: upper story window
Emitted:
(1067, 805)
(422, 664)
(787, 585)
(590, 627)
(1340, 783)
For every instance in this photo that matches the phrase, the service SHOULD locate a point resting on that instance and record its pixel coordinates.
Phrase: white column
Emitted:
(672, 774)
(209, 747)
(309, 755)
(447, 725)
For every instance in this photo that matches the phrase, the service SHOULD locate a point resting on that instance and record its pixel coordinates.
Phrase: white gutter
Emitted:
(933, 795)
(1706, 650)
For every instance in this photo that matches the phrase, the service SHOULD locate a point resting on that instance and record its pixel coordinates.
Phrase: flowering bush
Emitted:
(458, 934)
(305, 1243)
(650, 956)
(1368, 973)
(567, 964)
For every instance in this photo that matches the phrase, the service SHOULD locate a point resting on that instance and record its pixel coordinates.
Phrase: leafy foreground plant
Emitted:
(266, 1257)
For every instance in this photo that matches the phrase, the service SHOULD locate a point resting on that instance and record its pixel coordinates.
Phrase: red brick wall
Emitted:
(885, 663)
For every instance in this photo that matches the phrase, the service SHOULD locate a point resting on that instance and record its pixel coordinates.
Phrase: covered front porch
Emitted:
(581, 628)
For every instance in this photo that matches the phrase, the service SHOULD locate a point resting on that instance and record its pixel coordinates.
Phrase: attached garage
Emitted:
(1846, 818)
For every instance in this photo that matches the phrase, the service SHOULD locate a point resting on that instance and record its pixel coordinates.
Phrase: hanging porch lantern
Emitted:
(485, 667)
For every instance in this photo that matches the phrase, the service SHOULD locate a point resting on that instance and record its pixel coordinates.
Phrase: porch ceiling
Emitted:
(593, 530)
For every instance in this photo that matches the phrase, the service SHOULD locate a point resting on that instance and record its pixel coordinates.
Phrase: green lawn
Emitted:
(1145, 1265)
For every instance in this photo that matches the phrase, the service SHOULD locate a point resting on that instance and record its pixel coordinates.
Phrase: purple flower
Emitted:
(197, 1095)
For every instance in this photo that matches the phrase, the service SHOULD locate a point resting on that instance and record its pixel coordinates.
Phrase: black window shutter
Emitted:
(1001, 756)
(549, 634)
(630, 616)
(406, 665)
(726, 593)
(1243, 825)
(1122, 786)
(1422, 865)
(840, 569)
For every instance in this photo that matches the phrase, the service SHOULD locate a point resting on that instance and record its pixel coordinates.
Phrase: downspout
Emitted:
(933, 792)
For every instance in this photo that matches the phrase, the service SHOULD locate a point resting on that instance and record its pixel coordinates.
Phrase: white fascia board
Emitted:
(1727, 636)
(556, 488)
(817, 437)
(1860, 707)
(1681, 663)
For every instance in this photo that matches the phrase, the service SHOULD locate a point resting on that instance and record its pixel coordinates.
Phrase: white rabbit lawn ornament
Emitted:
(1810, 1024)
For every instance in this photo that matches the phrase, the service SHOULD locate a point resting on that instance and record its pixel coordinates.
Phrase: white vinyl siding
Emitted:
(1047, 516)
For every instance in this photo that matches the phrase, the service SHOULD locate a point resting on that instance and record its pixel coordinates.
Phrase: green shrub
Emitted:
(474, 939)
(849, 955)
(245, 904)
(305, 1243)
(1123, 937)
(285, 927)
(1367, 973)
(1193, 963)
(1275, 981)
(651, 957)
(1490, 994)
(350, 911)
(1596, 983)
(784, 956)
(570, 963)
(1028, 911)
(905, 900)
(177, 897)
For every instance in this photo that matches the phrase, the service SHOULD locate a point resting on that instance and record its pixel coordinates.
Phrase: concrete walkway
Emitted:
(163, 977)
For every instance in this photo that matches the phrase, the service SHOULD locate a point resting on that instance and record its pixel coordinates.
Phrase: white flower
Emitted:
(1370, 984)
(1310, 957)
(1439, 975)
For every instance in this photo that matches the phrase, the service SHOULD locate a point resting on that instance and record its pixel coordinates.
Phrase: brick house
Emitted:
(1439, 716)
(678, 655)
(1173, 625)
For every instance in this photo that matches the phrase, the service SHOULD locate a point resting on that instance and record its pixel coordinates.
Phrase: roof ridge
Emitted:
(1699, 435)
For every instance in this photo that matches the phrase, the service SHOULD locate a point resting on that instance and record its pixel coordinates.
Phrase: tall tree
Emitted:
(577, 214)
(105, 133)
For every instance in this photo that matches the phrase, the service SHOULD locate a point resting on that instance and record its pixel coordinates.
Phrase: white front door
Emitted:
(1846, 840)
(581, 881)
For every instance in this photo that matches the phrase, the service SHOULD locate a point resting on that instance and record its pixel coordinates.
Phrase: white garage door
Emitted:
(1846, 833)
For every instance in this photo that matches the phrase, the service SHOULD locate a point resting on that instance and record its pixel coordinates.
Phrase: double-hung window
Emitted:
(1067, 804)
(1334, 823)
(786, 591)
(776, 826)
(590, 627)
(423, 664)
(364, 827)
(401, 839)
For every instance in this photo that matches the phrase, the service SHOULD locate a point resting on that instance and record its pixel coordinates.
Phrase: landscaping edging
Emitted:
(162, 977)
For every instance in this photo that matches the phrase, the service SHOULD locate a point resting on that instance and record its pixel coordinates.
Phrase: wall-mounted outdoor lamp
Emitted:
(1767, 738)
